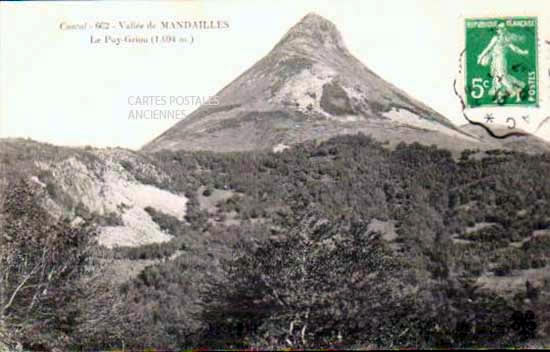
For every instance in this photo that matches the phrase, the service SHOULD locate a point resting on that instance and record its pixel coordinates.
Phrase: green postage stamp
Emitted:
(501, 62)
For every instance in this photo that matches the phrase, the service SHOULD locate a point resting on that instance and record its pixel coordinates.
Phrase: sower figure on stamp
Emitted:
(504, 84)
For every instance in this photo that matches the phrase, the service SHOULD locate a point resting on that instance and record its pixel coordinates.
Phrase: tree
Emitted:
(47, 282)
(321, 285)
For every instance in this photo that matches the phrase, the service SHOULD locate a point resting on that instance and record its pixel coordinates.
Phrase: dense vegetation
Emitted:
(455, 221)
(51, 295)
(290, 258)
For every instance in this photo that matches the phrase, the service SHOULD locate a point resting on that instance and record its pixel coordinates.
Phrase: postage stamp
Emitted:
(501, 62)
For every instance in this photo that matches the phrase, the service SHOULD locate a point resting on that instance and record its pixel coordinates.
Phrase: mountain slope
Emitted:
(308, 87)
(527, 144)
(110, 187)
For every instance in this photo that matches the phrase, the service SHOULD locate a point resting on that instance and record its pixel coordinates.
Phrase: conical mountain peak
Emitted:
(312, 31)
(308, 87)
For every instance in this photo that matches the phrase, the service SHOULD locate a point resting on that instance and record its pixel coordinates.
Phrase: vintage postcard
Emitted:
(289, 175)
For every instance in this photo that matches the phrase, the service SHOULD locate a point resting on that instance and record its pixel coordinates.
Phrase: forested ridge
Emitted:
(343, 243)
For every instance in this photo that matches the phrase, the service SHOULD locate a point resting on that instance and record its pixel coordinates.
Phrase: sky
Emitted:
(58, 87)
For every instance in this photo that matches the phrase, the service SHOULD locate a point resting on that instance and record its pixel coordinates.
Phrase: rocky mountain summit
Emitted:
(309, 86)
